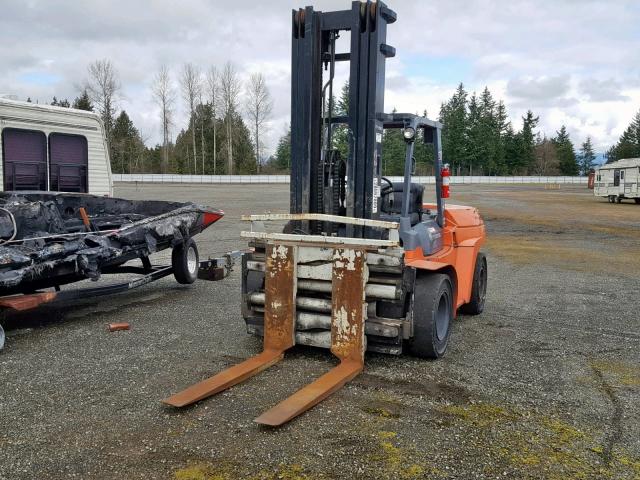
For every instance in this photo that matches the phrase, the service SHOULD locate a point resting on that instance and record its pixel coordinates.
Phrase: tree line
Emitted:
(478, 138)
(393, 145)
(628, 146)
(227, 120)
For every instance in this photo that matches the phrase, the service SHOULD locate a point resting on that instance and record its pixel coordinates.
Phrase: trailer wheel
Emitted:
(432, 315)
(478, 289)
(637, 200)
(184, 260)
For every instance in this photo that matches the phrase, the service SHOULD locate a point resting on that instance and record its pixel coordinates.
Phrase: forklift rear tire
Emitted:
(478, 289)
(432, 315)
(185, 262)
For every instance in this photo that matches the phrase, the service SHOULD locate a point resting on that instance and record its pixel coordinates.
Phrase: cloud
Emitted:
(543, 89)
(532, 54)
(602, 90)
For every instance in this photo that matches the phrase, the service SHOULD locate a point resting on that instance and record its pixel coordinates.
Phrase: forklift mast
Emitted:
(322, 181)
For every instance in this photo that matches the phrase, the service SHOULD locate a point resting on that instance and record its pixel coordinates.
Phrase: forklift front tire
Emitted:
(478, 288)
(185, 262)
(432, 315)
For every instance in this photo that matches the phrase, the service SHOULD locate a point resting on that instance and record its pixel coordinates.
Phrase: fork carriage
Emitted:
(385, 281)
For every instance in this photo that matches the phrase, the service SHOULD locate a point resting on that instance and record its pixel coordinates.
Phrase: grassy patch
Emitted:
(624, 374)
(526, 442)
(396, 461)
(380, 412)
(201, 471)
(531, 249)
(204, 471)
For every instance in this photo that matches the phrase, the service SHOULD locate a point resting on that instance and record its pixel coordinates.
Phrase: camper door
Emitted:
(618, 180)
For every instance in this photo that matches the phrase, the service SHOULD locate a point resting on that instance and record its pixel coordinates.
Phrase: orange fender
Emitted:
(462, 235)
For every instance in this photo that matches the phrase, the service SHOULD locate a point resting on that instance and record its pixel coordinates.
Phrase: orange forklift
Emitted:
(362, 263)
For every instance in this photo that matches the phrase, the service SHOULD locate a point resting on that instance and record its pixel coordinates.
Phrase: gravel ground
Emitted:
(544, 384)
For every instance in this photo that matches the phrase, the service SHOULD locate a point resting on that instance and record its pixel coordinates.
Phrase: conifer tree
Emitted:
(527, 138)
(282, 158)
(567, 162)
(127, 146)
(453, 114)
(83, 102)
(587, 157)
(340, 138)
(628, 145)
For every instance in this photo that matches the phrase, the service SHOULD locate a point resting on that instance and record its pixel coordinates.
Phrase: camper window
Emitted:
(621, 174)
(68, 163)
(24, 159)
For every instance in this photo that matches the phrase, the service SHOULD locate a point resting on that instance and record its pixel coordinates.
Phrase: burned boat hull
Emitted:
(50, 239)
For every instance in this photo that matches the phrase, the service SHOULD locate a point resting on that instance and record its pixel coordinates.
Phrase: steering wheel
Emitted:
(383, 190)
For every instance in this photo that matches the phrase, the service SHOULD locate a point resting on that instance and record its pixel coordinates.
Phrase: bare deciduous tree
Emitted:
(164, 95)
(259, 106)
(546, 158)
(103, 86)
(191, 87)
(214, 99)
(230, 90)
(203, 115)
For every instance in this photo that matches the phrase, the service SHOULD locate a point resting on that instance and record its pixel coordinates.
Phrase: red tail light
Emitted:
(210, 217)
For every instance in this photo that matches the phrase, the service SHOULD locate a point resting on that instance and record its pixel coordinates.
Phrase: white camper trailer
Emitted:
(52, 148)
(618, 180)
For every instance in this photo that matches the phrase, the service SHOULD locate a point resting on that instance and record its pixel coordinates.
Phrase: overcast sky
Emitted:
(575, 62)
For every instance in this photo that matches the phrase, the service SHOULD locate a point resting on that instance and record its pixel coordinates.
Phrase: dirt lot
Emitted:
(544, 384)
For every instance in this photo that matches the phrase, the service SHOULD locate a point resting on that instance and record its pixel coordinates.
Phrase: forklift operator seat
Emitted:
(391, 202)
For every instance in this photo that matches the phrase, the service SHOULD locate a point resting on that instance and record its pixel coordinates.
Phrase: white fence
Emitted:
(168, 178)
(206, 179)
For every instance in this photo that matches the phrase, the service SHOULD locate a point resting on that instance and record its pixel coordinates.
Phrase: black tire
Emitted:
(478, 288)
(637, 200)
(432, 315)
(185, 262)
(619, 199)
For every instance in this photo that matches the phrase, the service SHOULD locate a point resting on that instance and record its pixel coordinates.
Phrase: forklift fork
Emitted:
(349, 276)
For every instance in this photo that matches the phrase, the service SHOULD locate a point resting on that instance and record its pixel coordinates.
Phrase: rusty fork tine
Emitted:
(279, 329)
(225, 379)
(349, 277)
(311, 395)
